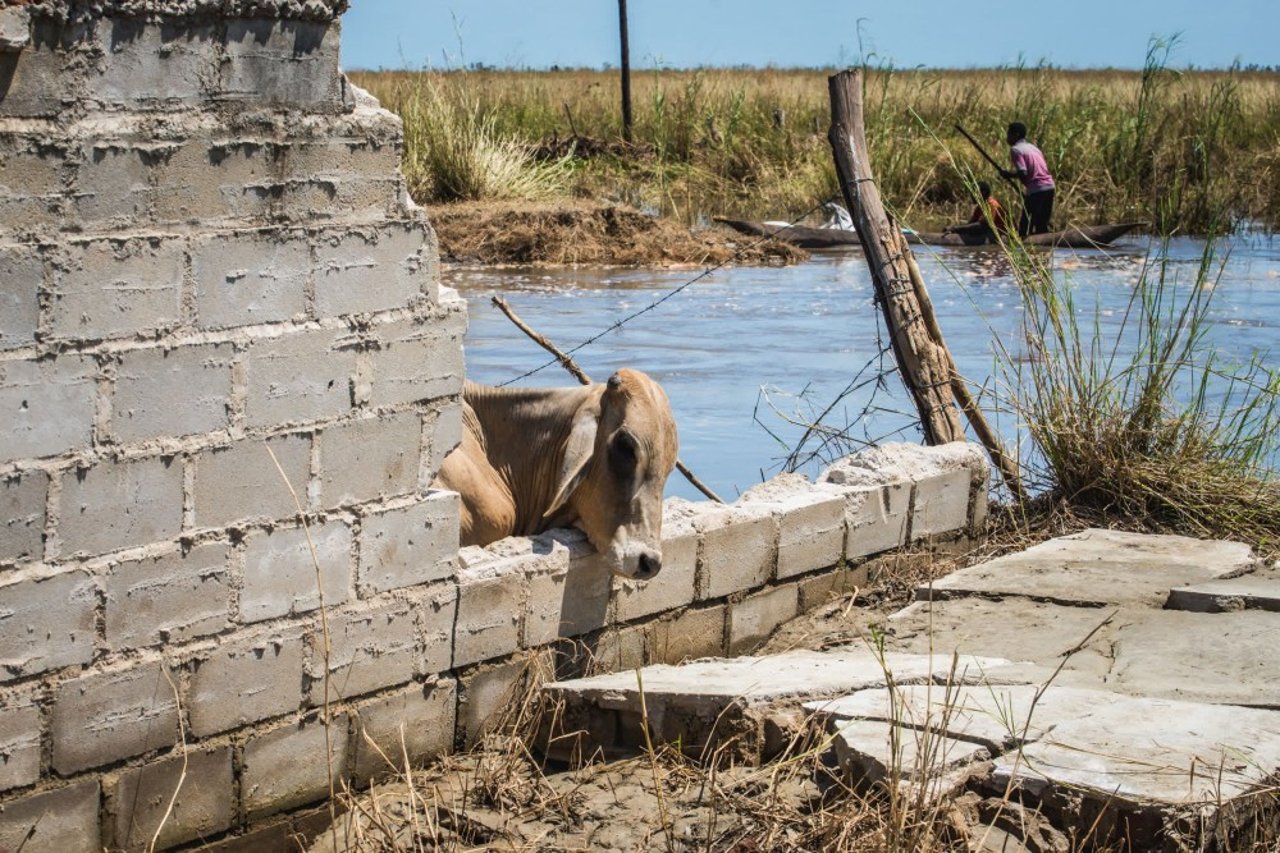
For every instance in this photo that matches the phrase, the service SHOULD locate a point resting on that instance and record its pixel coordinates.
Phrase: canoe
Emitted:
(797, 235)
(1073, 237)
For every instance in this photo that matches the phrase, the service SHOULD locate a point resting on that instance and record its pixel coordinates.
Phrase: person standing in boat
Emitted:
(1030, 167)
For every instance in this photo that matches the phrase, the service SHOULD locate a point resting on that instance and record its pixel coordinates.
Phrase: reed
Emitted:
(1142, 422)
(1172, 147)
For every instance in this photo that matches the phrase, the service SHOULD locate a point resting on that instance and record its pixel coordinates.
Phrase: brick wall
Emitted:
(227, 376)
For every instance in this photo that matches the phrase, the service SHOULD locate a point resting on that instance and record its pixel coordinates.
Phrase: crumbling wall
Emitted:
(219, 317)
(228, 375)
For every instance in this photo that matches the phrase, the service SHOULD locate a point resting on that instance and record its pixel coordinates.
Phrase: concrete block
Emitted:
(409, 546)
(486, 694)
(298, 377)
(811, 524)
(756, 617)
(169, 598)
(361, 271)
(172, 392)
(105, 716)
(46, 407)
(241, 483)
(738, 549)
(370, 459)
(818, 589)
(117, 288)
(20, 728)
(48, 623)
(619, 649)
(372, 646)
(39, 78)
(436, 610)
(62, 819)
(211, 177)
(941, 504)
(566, 597)
(416, 722)
(489, 615)
(283, 64)
(290, 766)
(32, 166)
(248, 277)
(691, 634)
(417, 360)
(21, 274)
(284, 577)
(113, 186)
(144, 66)
(876, 517)
(202, 780)
(15, 29)
(22, 515)
(442, 433)
(116, 505)
(674, 586)
(245, 679)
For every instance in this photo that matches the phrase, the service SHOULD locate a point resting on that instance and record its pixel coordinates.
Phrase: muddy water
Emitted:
(748, 355)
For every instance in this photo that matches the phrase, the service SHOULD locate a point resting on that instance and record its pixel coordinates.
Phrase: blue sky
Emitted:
(808, 33)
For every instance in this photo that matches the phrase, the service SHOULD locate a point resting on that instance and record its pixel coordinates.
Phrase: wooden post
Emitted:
(626, 71)
(924, 361)
(921, 361)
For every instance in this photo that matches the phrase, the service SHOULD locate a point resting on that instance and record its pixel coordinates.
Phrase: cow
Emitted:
(595, 456)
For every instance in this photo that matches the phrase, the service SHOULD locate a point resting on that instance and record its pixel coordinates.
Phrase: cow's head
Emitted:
(621, 447)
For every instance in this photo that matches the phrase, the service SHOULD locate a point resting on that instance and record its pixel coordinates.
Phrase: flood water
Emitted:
(748, 354)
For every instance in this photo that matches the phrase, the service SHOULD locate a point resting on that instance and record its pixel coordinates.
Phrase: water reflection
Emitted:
(749, 355)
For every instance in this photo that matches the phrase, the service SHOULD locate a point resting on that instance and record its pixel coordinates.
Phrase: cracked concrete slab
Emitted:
(1256, 591)
(1096, 568)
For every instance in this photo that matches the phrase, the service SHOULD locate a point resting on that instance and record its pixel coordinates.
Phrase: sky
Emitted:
(445, 34)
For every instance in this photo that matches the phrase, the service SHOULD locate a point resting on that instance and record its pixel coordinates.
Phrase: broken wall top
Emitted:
(62, 61)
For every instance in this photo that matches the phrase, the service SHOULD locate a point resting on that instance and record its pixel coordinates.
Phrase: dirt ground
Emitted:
(566, 233)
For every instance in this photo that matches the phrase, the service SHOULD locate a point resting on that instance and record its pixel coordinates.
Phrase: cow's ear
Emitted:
(577, 458)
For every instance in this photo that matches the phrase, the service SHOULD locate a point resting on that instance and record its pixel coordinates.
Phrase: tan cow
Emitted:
(596, 456)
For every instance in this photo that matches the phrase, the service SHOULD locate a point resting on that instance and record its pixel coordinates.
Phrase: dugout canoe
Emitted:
(1073, 237)
(797, 235)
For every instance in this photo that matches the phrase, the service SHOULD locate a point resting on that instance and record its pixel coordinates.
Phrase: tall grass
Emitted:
(455, 151)
(1144, 422)
(1170, 147)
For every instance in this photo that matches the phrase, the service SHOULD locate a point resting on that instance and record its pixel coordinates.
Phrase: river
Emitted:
(748, 354)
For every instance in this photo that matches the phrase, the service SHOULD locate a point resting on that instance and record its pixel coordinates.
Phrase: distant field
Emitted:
(1182, 150)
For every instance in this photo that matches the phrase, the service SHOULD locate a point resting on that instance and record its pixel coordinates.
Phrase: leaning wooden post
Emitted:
(626, 70)
(920, 360)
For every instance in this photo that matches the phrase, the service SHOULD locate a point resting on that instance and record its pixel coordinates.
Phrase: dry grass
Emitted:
(1170, 147)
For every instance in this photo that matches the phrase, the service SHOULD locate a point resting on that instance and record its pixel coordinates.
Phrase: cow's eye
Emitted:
(623, 452)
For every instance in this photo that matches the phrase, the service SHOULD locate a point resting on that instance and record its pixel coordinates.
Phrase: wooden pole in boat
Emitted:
(581, 375)
(921, 361)
(999, 169)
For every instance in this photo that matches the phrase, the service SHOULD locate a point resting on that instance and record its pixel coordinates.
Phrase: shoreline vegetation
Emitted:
(1186, 151)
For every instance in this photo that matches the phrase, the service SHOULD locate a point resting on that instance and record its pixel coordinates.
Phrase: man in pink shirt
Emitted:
(1030, 168)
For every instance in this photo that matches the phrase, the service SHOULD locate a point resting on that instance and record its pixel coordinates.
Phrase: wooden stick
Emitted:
(991, 441)
(921, 366)
(578, 373)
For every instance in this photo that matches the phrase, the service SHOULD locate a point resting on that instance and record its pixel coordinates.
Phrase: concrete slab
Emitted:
(1019, 629)
(1223, 658)
(1259, 590)
(1096, 568)
(1140, 749)
(873, 750)
(709, 685)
